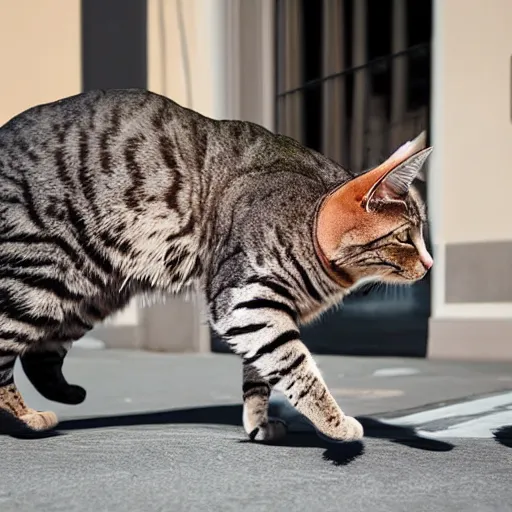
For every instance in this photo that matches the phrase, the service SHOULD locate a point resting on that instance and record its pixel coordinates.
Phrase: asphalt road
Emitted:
(162, 432)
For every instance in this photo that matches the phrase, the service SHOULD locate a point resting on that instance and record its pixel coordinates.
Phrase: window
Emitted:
(353, 76)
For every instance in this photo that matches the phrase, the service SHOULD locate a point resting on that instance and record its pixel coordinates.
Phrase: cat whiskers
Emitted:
(339, 262)
(125, 282)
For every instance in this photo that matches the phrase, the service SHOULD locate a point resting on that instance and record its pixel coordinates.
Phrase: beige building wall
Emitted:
(181, 52)
(39, 53)
(470, 178)
(215, 56)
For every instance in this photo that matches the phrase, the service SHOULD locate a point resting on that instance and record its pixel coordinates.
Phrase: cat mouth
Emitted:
(403, 275)
(396, 269)
(386, 264)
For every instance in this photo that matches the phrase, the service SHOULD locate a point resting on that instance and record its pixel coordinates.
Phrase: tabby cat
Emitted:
(107, 195)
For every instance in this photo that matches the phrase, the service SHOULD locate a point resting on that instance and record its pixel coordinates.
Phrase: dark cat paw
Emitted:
(69, 394)
(44, 371)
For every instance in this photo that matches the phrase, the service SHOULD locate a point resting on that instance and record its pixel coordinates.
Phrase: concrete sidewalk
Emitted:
(163, 432)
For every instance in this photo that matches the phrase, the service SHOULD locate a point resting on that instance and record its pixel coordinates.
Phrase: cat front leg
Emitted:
(292, 370)
(256, 395)
(301, 382)
(261, 326)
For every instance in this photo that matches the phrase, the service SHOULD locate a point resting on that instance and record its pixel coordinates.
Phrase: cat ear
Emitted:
(394, 185)
(421, 176)
(342, 211)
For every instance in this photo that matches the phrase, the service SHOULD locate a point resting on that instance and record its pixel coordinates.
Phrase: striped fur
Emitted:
(113, 194)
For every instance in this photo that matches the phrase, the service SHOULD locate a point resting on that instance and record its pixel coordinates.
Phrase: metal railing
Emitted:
(363, 112)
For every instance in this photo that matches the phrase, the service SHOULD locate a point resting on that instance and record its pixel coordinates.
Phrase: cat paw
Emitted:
(76, 395)
(349, 430)
(40, 420)
(271, 431)
(70, 394)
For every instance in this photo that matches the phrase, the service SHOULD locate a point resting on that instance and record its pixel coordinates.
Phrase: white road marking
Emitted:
(470, 408)
(479, 418)
(395, 372)
(479, 427)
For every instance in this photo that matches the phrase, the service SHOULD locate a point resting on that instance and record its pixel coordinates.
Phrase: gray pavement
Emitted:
(161, 432)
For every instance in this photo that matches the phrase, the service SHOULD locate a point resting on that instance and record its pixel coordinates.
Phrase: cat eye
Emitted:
(405, 237)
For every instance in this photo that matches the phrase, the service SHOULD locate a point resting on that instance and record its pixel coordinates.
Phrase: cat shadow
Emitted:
(338, 453)
(402, 435)
(503, 435)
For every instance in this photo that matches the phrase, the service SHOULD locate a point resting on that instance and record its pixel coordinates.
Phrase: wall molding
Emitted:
(470, 339)
(478, 272)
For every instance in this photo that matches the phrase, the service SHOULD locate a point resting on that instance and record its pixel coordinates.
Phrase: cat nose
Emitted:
(427, 261)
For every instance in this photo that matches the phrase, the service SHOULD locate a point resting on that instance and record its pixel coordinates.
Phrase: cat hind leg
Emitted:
(44, 371)
(13, 403)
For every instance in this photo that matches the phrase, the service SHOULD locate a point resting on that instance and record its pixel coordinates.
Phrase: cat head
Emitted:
(372, 227)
